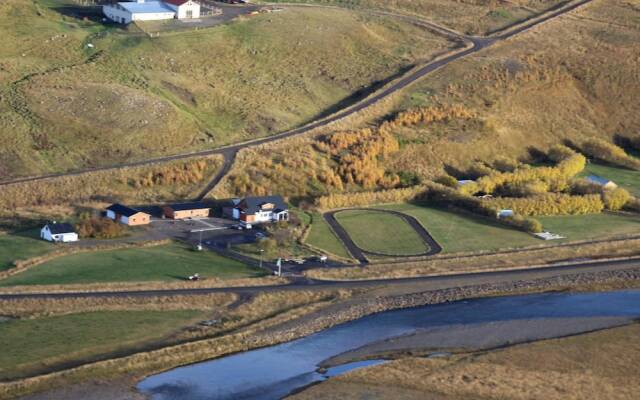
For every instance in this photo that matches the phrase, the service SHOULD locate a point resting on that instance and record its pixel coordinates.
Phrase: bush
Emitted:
(526, 224)
(550, 204)
(99, 228)
(633, 205)
(616, 199)
(360, 199)
(448, 181)
(608, 152)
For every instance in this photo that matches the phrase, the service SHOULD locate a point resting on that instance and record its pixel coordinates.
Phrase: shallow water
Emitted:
(273, 372)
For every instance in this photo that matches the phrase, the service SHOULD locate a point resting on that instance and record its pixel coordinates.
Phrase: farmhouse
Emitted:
(603, 182)
(186, 210)
(255, 210)
(127, 215)
(54, 232)
(125, 12)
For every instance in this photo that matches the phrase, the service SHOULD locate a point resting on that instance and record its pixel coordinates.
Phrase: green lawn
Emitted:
(594, 226)
(381, 233)
(460, 232)
(20, 246)
(322, 237)
(30, 344)
(625, 178)
(161, 263)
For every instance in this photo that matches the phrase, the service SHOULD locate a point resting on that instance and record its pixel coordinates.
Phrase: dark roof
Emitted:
(123, 210)
(197, 205)
(251, 205)
(57, 229)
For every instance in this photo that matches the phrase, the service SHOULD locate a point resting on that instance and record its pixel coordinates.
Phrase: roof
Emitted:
(251, 205)
(147, 7)
(123, 210)
(197, 205)
(57, 229)
(598, 179)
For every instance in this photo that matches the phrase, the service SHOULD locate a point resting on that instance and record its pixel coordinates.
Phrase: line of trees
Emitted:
(529, 180)
(602, 150)
(359, 199)
(549, 204)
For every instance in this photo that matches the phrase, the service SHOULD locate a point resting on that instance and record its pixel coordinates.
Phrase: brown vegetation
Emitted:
(156, 182)
(592, 365)
(499, 260)
(602, 150)
(99, 228)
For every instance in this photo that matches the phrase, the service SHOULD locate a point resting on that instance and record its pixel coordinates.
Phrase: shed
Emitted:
(54, 232)
(186, 210)
(602, 182)
(127, 215)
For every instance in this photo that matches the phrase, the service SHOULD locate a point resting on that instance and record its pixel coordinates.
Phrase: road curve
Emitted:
(359, 253)
(477, 44)
(426, 283)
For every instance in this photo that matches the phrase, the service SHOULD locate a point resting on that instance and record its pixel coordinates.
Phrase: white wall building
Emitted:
(58, 233)
(126, 12)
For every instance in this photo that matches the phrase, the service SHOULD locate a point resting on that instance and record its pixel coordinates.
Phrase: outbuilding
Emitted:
(186, 210)
(602, 182)
(125, 12)
(127, 215)
(54, 232)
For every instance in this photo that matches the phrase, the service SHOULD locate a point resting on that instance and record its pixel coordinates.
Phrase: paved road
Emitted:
(477, 44)
(359, 253)
(426, 283)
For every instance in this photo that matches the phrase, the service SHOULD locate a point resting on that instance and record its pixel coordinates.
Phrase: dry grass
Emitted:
(146, 184)
(489, 262)
(127, 286)
(599, 365)
(36, 308)
(132, 97)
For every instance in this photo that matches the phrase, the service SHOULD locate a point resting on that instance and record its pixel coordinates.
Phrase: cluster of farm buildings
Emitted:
(247, 211)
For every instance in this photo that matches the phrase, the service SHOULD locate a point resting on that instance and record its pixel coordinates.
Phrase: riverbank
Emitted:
(382, 299)
(597, 365)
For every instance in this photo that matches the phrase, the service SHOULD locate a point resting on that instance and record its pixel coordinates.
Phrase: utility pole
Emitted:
(279, 264)
(261, 251)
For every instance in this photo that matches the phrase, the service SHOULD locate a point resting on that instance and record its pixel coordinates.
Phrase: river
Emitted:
(275, 371)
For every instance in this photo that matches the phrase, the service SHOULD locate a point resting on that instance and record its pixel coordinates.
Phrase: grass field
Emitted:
(322, 237)
(162, 263)
(381, 232)
(624, 178)
(473, 17)
(592, 226)
(30, 345)
(67, 105)
(20, 246)
(461, 233)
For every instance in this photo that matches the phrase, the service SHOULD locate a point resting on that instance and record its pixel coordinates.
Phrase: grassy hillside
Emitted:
(467, 16)
(551, 85)
(67, 105)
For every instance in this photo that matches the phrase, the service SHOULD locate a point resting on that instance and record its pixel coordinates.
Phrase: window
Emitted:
(189, 13)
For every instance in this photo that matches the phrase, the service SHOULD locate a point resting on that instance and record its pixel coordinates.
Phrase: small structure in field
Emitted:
(505, 213)
(186, 210)
(125, 12)
(54, 232)
(548, 236)
(463, 182)
(602, 182)
(127, 215)
(257, 210)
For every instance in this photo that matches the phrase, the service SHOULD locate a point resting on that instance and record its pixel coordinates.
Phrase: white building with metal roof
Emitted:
(126, 12)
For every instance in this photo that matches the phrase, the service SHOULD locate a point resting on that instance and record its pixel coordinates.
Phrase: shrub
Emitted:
(447, 180)
(602, 150)
(550, 204)
(633, 205)
(99, 228)
(616, 199)
(367, 198)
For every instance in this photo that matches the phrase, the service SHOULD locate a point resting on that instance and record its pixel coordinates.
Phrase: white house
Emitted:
(184, 9)
(58, 233)
(256, 210)
(126, 12)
